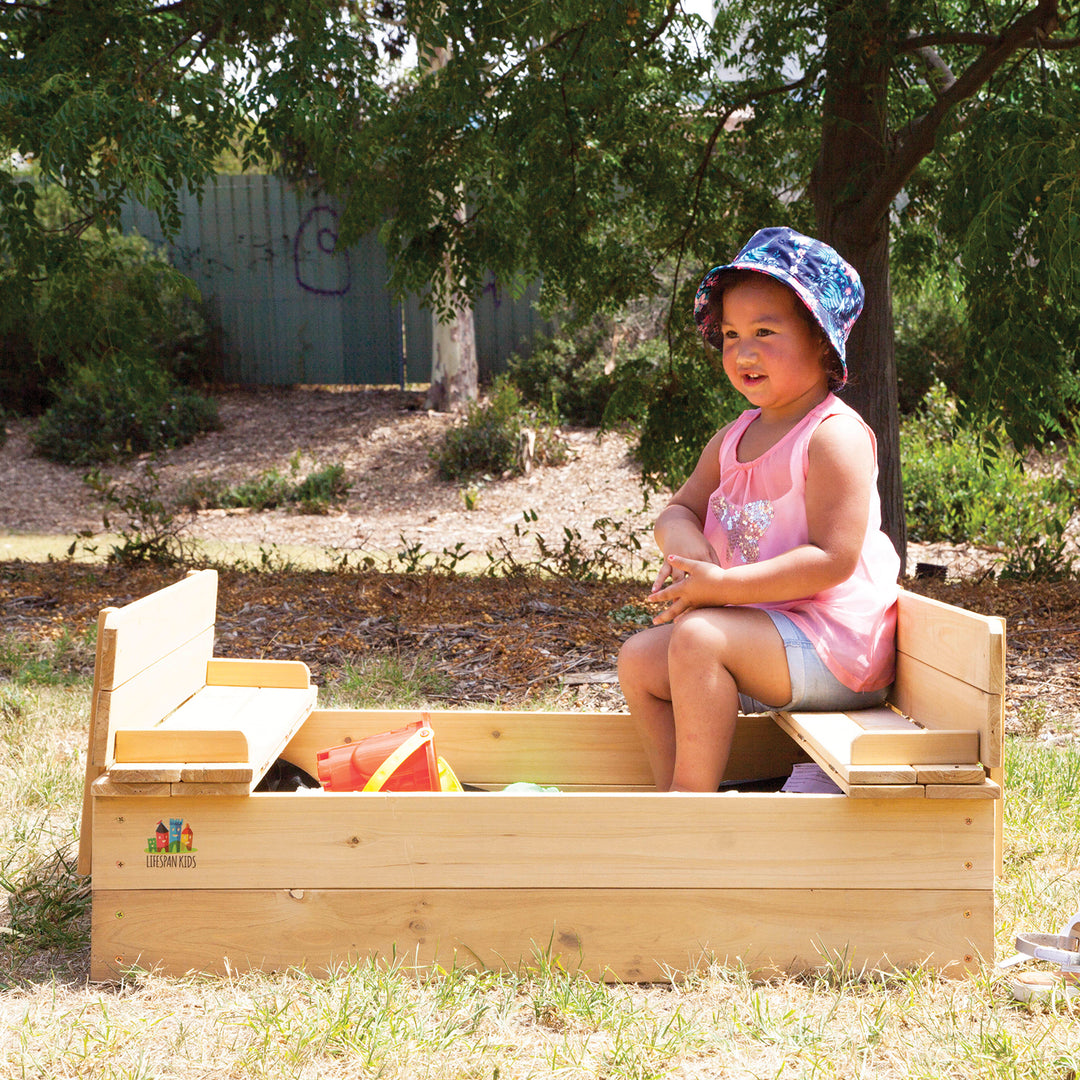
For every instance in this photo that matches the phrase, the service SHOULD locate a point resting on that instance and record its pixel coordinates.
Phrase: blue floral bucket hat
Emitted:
(828, 286)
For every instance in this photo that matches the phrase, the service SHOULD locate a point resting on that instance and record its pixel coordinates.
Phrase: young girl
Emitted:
(783, 587)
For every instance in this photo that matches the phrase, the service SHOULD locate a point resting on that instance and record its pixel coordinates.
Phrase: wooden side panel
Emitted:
(145, 698)
(561, 749)
(950, 670)
(939, 700)
(624, 934)
(960, 643)
(141, 632)
(97, 736)
(585, 840)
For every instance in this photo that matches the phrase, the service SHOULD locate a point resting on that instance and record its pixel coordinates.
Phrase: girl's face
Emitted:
(772, 355)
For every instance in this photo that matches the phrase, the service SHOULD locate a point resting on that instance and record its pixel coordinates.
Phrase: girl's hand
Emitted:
(695, 549)
(694, 583)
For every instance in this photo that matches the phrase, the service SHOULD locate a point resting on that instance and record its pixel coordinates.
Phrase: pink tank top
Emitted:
(759, 511)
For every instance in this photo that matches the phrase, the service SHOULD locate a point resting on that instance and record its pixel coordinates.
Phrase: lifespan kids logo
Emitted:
(171, 845)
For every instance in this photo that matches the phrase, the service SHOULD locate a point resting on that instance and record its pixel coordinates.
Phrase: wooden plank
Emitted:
(960, 643)
(481, 840)
(138, 773)
(286, 674)
(986, 790)
(998, 777)
(153, 693)
(140, 633)
(223, 725)
(549, 748)
(620, 934)
(106, 788)
(170, 744)
(886, 791)
(876, 737)
(215, 789)
(881, 774)
(940, 701)
(229, 772)
(205, 778)
(951, 774)
(96, 738)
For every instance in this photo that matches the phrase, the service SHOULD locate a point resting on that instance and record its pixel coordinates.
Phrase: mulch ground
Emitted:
(495, 639)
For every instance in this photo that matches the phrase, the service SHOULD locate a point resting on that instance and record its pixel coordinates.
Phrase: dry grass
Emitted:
(392, 1022)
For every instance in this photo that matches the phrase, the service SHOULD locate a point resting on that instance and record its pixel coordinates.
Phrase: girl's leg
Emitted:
(715, 653)
(643, 675)
(681, 683)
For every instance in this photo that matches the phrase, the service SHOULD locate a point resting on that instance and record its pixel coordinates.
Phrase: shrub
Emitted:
(675, 403)
(956, 490)
(317, 493)
(113, 296)
(570, 377)
(118, 406)
(930, 343)
(494, 438)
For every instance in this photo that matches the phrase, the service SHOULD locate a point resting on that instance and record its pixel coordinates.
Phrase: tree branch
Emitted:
(915, 42)
(699, 177)
(940, 76)
(918, 139)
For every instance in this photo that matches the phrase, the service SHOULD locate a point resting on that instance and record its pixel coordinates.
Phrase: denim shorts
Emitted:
(814, 688)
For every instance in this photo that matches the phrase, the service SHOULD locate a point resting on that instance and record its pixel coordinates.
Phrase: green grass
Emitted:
(390, 1021)
(389, 682)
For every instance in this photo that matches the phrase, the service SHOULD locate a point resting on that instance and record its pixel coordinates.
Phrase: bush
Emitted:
(676, 404)
(112, 296)
(498, 436)
(956, 490)
(570, 377)
(118, 406)
(930, 345)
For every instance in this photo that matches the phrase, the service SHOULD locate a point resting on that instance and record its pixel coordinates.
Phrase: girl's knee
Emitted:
(694, 633)
(643, 658)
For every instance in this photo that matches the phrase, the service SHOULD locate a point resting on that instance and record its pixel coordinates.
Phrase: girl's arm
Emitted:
(838, 492)
(679, 528)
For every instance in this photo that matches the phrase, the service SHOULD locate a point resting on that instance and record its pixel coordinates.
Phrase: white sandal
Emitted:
(1062, 948)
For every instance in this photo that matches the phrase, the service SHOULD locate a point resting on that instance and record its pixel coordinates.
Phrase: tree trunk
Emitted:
(872, 369)
(454, 372)
(854, 154)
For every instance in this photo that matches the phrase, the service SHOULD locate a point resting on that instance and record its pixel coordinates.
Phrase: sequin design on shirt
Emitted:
(744, 525)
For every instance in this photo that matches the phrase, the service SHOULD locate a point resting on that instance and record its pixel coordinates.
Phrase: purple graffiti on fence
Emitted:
(496, 293)
(325, 243)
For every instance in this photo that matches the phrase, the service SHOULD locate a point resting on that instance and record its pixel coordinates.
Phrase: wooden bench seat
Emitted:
(941, 733)
(169, 718)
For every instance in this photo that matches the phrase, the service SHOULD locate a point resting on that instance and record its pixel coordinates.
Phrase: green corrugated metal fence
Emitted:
(293, 307)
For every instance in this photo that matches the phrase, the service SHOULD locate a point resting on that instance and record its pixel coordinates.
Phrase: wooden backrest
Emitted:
(152, 656)
(950, 670)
